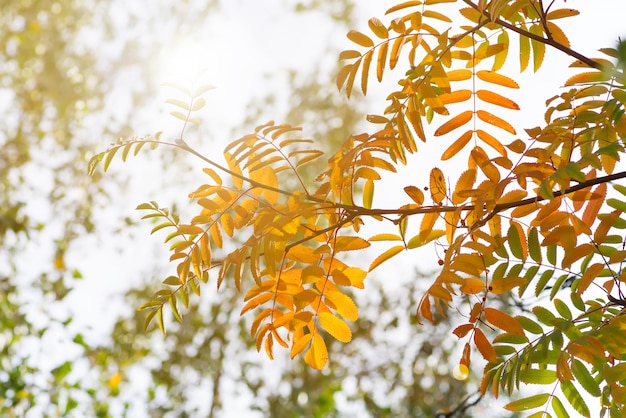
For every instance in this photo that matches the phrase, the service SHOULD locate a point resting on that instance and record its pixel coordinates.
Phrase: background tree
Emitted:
(528, 215)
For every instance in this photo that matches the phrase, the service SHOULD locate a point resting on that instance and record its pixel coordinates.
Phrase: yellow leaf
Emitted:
(356, 276)
(344, 305)
(403, 5)
(465, 182)
(385, 256)
(190, 229)
(216, 178)
(350, 244)
(299, 345)
(365, 68)
(495, 121)
(459, 75)
(496, 99)
(415, 193)
(558, 35)
(317, 355)
(438, 189)
(456, 122)
(588, 77)
(496, 78)
(457, 146)
(378, 28)
(395, 51)
(349, 54)
(360, 38)
(381, 60)
(539, 48)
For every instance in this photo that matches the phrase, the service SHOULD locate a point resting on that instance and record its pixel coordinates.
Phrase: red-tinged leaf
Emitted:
(335, 327)
(317, 355)
(503, 321)
(606, 224)
(415, 193)
(497, 78)
(484, 346)
(391, 252)
(530, 402)
(299, 346)
(457, 145)
(360, 38)
(454, 123)
(462, 330)
(350, 244)
(496, 99)
(253, 303)
(517, 241)
(472, 286)
(495, 121)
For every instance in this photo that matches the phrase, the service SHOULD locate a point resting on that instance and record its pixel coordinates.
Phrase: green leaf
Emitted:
(543, 315)
(558, 408)
(515, 242)
(584, 378)
(562, 309)
(573, 397)
(534, 249)
(530, 402)
(539, 376)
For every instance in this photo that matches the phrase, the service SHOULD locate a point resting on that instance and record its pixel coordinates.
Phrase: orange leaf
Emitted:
(455, 96)
(594, 205)
(495, 121)
(472, 286)
(484, 346)
(457, 145)
(253, 303)
(588, 277)
(503, 321)
(496, 99)
(335, 327)
(415, 194)
(505, 284)
(456, 122)
(496, 78)
(462, 330)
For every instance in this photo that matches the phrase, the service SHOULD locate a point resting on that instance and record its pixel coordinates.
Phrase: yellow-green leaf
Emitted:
(530, 402)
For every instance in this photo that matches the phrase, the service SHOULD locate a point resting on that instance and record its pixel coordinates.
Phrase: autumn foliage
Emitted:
(534, 214)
